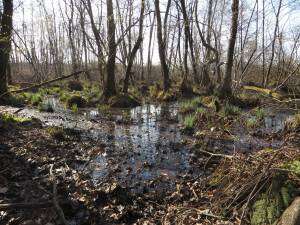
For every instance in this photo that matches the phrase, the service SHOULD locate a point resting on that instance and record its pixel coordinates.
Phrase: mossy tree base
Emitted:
(123, 101)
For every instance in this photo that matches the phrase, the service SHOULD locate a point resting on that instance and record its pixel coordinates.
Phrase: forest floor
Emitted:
(166, 163)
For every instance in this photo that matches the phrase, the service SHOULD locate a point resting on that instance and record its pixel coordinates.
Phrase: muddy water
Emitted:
(142, 149)
(135, 147)
(149, 149)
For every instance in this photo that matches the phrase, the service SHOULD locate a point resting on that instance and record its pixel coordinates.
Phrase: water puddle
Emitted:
(142, 148)
(147, 149)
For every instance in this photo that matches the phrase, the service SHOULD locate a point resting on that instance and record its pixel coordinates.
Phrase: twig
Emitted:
(19, 110)
(55, 201)
(217, 155)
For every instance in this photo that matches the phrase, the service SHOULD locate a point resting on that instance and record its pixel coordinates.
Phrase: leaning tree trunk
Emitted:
(162, 48)
(5, 42)
(110, 83)
(135, 48)
(226, 87)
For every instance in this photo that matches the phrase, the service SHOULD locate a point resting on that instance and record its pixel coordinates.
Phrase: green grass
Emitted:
(57, 133)
(251, 122)
(190, 105)
(103, 108)
(36, 99)
(259, 113)
(230, 110)
(16, 100)
(74, 108)
(9, 118)
(201, 111)
(189, 122)
(33, 98)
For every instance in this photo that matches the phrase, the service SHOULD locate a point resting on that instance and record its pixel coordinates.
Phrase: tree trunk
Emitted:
(110, 84)
(135, 48)
(189, 41)
(5, 42)
(226, 89)
(162, 48)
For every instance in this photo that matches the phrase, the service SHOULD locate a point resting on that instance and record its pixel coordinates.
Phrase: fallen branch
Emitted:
(216, 155)
(45, 83)
(27, 205)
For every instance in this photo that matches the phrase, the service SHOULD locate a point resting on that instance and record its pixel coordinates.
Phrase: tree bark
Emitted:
(162, 48)
(5, 42)
(110, 83)
(226, 89)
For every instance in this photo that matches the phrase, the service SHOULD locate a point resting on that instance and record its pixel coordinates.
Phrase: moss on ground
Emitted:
(270, 205)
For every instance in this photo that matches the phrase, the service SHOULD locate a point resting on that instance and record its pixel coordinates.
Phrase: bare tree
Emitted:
(162, 48)
(226, 86)
(5, 42)
(136, 47)
(110, 83)
(267, 76)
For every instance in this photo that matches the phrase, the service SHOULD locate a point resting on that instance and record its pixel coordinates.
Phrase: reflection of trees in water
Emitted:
(164, 112)
(112, 137)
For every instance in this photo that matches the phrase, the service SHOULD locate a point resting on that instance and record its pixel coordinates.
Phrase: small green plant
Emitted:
(74, 108)
(191, 105)
(11, 119)
(186, 107)
(46, 107)
(126, 117)
(201, 111)
(293, 123)
(36, 99)
(230, 110)
(259, 113)
(64, 96)
(103, 108)
(189, 123)
(16, 100)
(251, 122)
(57, 133)
(197, 101)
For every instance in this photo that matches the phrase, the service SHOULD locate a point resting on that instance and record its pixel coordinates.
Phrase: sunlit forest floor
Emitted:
(65, 159)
